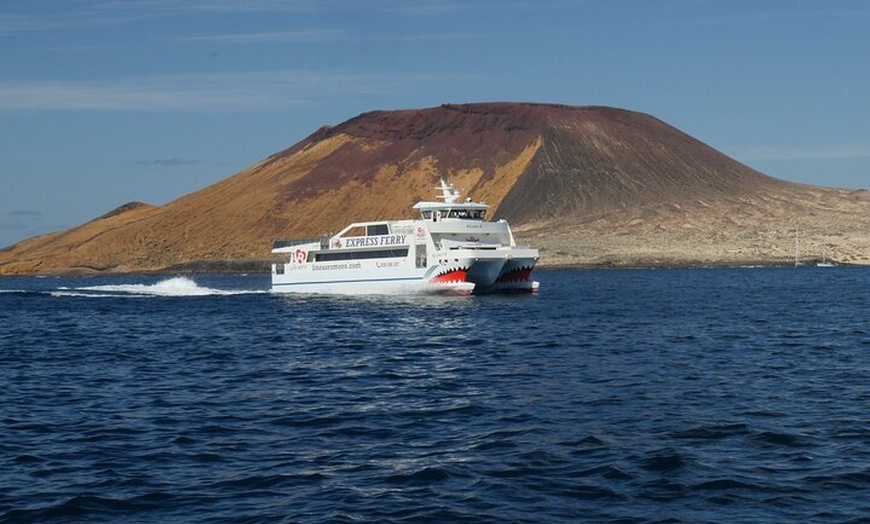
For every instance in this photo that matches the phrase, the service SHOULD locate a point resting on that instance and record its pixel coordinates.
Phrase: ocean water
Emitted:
(697, 396)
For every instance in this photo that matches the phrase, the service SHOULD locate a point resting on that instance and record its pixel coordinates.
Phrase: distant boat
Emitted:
(797, 257)
(824, 262)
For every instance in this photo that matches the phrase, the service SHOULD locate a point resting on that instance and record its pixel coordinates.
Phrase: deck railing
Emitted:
(294, 242)
(324, 242)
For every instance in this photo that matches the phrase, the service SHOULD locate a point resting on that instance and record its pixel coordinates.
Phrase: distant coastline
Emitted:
(589, 186)
(262, 267)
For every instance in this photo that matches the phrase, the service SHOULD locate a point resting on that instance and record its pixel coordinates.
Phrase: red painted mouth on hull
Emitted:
(457, 275)
(516, 275)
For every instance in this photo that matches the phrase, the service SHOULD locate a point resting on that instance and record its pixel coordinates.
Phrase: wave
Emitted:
(171, 287)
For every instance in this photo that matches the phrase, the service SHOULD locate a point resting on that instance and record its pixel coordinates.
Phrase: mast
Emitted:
(449, 193)
(796, 251)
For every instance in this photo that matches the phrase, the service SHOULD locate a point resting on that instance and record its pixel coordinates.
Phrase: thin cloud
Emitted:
(763, 16)
(323, 35)
(99, 13)
(426, 8)
(811, 14)
(123, 12)
(13, 23)
(21, 220)
(128, 12)
(833, 152)
(309, 35)
(432, 7)
(167, 162)
(78, 17)
(210, 92)
(418, 7)
(215, 6)
(113, 96)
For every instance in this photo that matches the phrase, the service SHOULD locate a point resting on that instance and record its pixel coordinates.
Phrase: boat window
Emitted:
(421, 255)
(377, 229)
(427, 215)
(361, 255)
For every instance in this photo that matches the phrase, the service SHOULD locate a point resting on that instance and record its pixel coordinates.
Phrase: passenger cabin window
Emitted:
(361, 255)
(377, 229)
(427, 215)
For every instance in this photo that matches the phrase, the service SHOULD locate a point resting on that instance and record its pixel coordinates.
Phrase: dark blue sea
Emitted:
(630, 396)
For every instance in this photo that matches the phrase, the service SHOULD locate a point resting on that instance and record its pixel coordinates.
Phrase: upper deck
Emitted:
(449, 222)
(451, 207)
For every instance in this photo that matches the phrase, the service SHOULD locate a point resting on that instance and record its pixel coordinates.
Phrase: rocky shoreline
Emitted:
(560, 261)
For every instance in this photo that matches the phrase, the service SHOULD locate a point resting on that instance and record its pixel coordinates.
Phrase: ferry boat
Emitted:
(450, 249)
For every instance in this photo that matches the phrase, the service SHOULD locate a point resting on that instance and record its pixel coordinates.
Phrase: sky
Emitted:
(104, 102)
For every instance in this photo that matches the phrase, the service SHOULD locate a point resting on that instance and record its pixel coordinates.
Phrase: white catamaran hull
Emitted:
(463, 273)
(450, 249)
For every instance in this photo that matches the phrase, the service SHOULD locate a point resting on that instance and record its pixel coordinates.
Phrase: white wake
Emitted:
(171, 287)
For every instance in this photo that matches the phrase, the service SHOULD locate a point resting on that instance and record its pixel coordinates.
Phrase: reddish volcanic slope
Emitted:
(553, 171)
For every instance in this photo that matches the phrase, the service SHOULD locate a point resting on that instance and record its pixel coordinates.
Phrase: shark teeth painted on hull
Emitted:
(450, 276)
(521, 274)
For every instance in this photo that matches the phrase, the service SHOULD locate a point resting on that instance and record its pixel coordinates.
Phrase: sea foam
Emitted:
(171, 287)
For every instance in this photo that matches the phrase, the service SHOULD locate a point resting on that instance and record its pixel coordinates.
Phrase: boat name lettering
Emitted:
(383, 240)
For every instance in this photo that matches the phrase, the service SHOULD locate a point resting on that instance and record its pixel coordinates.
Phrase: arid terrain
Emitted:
(589, 186)
(763, 229)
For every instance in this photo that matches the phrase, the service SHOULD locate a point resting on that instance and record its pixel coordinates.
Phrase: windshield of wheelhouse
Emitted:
(466, 214)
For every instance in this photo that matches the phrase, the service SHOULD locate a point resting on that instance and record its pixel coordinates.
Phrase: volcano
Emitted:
(588, 185)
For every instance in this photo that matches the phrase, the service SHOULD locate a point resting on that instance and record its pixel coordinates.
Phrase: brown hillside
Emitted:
(589, 185)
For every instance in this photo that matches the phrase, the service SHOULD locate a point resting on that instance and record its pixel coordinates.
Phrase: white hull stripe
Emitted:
(355, 281)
